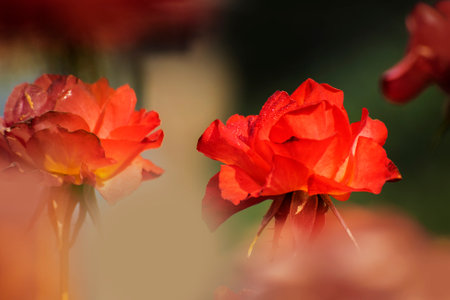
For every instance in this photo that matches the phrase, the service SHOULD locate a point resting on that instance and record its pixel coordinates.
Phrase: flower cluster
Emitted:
(297, 151)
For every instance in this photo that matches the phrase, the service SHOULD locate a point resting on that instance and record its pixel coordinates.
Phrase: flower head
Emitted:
(427, 58)
(297, 151)
(81, 133)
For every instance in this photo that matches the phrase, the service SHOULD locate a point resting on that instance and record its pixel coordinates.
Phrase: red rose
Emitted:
(297, 151)
(427, 58)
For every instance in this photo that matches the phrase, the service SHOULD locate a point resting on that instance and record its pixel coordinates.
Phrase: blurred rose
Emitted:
(397, 261)
(101, 23)
(28, 256)
(427, 59)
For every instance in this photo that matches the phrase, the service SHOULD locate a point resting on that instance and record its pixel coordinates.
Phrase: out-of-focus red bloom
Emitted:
(101, 23)
(427, 58)
(397, 261)
(27, 255)
(297, 151)
(81, 133)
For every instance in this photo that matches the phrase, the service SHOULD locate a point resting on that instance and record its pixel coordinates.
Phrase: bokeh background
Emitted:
(202, 60)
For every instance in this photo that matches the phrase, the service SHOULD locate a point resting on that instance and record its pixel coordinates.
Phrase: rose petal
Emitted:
(287, 175)
(311, 92)
(220, 143)
(216, 210)
(370, 128)
(236, 185)
(406, 79)
(116, 111)
(372, 168)
(57, 151)
(124, 152)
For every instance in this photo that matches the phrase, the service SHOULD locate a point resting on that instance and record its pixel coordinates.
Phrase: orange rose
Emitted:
(82, 133)
(80, 137)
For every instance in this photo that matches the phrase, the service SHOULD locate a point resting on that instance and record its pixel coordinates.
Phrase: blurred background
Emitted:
(197, 60)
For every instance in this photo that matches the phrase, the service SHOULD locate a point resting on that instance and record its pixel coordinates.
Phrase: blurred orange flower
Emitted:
(397, 261)
(427, 58)
(297, 151)
(28, 256)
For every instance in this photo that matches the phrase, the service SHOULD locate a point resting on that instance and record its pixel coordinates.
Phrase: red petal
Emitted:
(406, 79)
(221, 143)
(236, 185)
(372, 168)
(324, 157)
(311, 91)
(444, 8)
(322, 185)
(216, 210)
(275, 107)
(287, 175)
(316, 122)
(367, 127)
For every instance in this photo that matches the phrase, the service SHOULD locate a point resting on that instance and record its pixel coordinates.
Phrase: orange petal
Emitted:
(123, 152)
(116, 111)
(72, 154)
